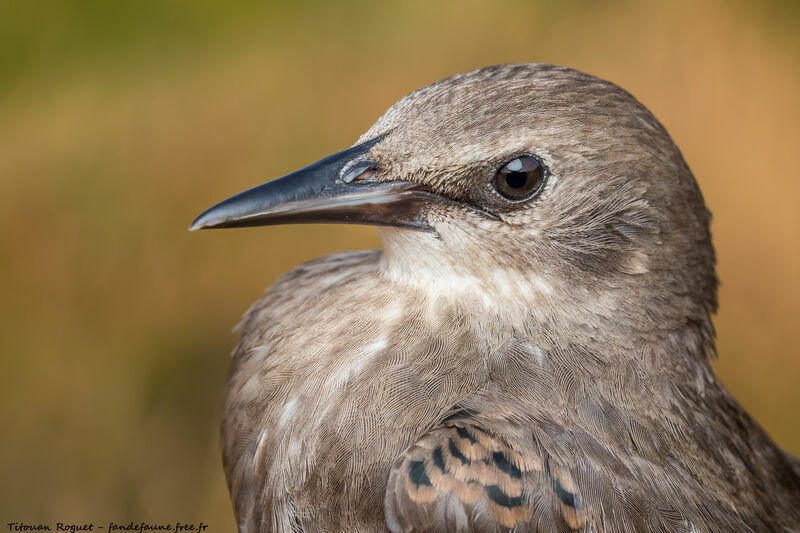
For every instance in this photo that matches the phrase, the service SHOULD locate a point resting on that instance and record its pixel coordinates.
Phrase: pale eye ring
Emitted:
(520, 179)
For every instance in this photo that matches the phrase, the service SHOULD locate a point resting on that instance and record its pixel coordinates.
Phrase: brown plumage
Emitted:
(535, 365)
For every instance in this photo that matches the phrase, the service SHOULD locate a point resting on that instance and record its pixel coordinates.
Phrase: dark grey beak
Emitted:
(326, 191)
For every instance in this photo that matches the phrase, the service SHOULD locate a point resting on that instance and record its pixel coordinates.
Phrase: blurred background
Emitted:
(121, 121)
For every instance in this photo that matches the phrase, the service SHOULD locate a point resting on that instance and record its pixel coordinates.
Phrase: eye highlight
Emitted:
(520, 179)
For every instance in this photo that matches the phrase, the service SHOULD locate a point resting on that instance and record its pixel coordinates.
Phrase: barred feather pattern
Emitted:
(461, 477)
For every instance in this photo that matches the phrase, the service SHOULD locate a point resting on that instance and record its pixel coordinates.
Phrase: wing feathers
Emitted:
(462, 477)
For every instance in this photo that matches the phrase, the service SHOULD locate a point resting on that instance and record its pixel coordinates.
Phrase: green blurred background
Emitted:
(120, 121)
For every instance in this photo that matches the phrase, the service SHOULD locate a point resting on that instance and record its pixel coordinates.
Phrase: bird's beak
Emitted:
(326, 191)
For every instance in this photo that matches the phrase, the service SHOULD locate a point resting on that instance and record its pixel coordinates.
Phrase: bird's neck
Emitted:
(464, 277)
(518, 302)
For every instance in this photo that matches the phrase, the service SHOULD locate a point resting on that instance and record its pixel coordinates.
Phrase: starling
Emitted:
(532, 348)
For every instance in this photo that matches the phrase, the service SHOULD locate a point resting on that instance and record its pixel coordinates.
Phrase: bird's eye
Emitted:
(520, 179)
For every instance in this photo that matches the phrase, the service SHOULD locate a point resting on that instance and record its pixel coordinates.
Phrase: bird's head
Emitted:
(526, 186)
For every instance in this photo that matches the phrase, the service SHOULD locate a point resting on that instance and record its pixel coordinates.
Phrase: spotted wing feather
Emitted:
(462, 477)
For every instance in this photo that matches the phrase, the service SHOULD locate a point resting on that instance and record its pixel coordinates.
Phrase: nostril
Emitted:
(359, 171)
(366, 175)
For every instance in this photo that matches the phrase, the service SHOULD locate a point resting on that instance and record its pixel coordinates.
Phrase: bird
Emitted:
(531, 349)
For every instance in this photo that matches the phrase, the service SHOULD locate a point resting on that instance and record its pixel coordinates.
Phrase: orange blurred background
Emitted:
(119, 122)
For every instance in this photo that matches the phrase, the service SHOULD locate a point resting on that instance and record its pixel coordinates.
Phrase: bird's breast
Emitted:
(329, 386)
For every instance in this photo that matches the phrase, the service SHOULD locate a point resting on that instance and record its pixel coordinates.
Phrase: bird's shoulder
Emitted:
(308, 283)
(316, 276)
(275, 333)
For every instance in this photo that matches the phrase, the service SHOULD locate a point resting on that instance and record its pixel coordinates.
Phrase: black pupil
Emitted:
(517, 180)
